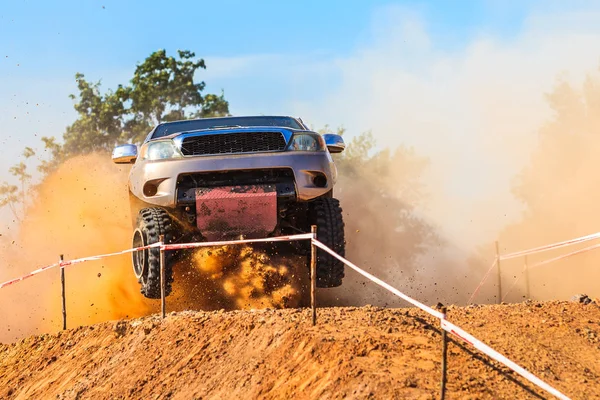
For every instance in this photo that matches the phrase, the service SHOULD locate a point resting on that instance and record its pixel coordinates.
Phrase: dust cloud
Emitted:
(79, 210)
(502, 163)
(82, 209)
(478, 113)
(381, 196)
(393, 235)
(559, 187)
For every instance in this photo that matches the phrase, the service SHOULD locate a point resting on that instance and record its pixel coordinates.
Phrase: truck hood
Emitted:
(287, 132)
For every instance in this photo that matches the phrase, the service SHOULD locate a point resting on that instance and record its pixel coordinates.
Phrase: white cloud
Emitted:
(474, 111)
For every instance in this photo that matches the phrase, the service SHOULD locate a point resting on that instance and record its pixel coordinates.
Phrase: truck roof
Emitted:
(175, 127)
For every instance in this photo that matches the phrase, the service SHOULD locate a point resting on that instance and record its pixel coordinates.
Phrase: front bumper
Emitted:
(163, 175)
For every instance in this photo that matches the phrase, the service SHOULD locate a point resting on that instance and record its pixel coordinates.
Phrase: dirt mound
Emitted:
(352, 352)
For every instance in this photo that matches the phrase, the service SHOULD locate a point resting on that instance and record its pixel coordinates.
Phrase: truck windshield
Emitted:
(169, 128)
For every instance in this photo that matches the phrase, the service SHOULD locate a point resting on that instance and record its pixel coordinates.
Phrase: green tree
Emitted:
(28, 153)
(163, 88)
(100, 121)
(9, 197)
(55, 155)
(9, 194)
(20, 172)
(213, 106)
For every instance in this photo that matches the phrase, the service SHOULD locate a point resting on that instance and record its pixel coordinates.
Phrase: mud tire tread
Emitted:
(153, 222)
(326, 214)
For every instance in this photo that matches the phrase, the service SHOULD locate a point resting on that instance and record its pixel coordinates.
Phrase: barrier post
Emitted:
(161, 238)
(313, 275)
(64, 299)
(527, 278)
(499, 273)
(444, 356)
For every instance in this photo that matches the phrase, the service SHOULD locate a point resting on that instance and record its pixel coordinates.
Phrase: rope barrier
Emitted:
(304, 236)
(76, 261)
(553, 246)
(482, 282)
(445, 325)
(451, 328)
(551, 260)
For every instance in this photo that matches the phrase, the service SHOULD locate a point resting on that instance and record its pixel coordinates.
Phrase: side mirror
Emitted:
(335, 143)
(124, 154)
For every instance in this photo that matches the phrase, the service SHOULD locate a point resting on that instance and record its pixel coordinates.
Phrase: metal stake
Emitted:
(313, 275)
(499, 273)
(64, 298)
(527, 278)
(444, 357)
(161, 238)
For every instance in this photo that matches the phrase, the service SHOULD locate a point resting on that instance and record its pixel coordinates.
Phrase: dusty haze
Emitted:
(82, 209)
(476, 112)
(560, 189)
(479, 114)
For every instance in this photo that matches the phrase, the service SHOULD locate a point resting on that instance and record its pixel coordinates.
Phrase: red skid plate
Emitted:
(226, 212)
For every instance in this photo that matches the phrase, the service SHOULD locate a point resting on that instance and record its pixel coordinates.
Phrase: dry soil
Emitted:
(361, 352)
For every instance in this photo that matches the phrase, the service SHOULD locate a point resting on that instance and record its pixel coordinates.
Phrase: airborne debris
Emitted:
(581, 298)
(120, 328)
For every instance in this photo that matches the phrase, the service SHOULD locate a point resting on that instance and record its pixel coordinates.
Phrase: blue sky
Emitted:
(43, 44)
(76, 35)
(444, 77)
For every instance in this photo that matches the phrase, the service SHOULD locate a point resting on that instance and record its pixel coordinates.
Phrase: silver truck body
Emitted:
(203, 152)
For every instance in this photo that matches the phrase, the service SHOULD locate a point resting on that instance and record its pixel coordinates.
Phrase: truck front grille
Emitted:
(231, 143)
(282, 178)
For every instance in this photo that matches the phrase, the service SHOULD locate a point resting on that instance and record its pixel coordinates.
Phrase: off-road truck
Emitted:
(225, 178)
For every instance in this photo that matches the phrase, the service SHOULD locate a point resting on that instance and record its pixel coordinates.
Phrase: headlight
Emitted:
(307, 142)
(162, 150)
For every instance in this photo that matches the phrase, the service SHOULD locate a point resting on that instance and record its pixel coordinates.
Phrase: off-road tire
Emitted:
(151, 223)
(326, 214)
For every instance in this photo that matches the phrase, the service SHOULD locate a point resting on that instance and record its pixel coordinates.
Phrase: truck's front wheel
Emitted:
(151, 223)
(326, 214)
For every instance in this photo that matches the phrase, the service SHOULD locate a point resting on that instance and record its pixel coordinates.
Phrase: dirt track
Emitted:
(352, 352)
